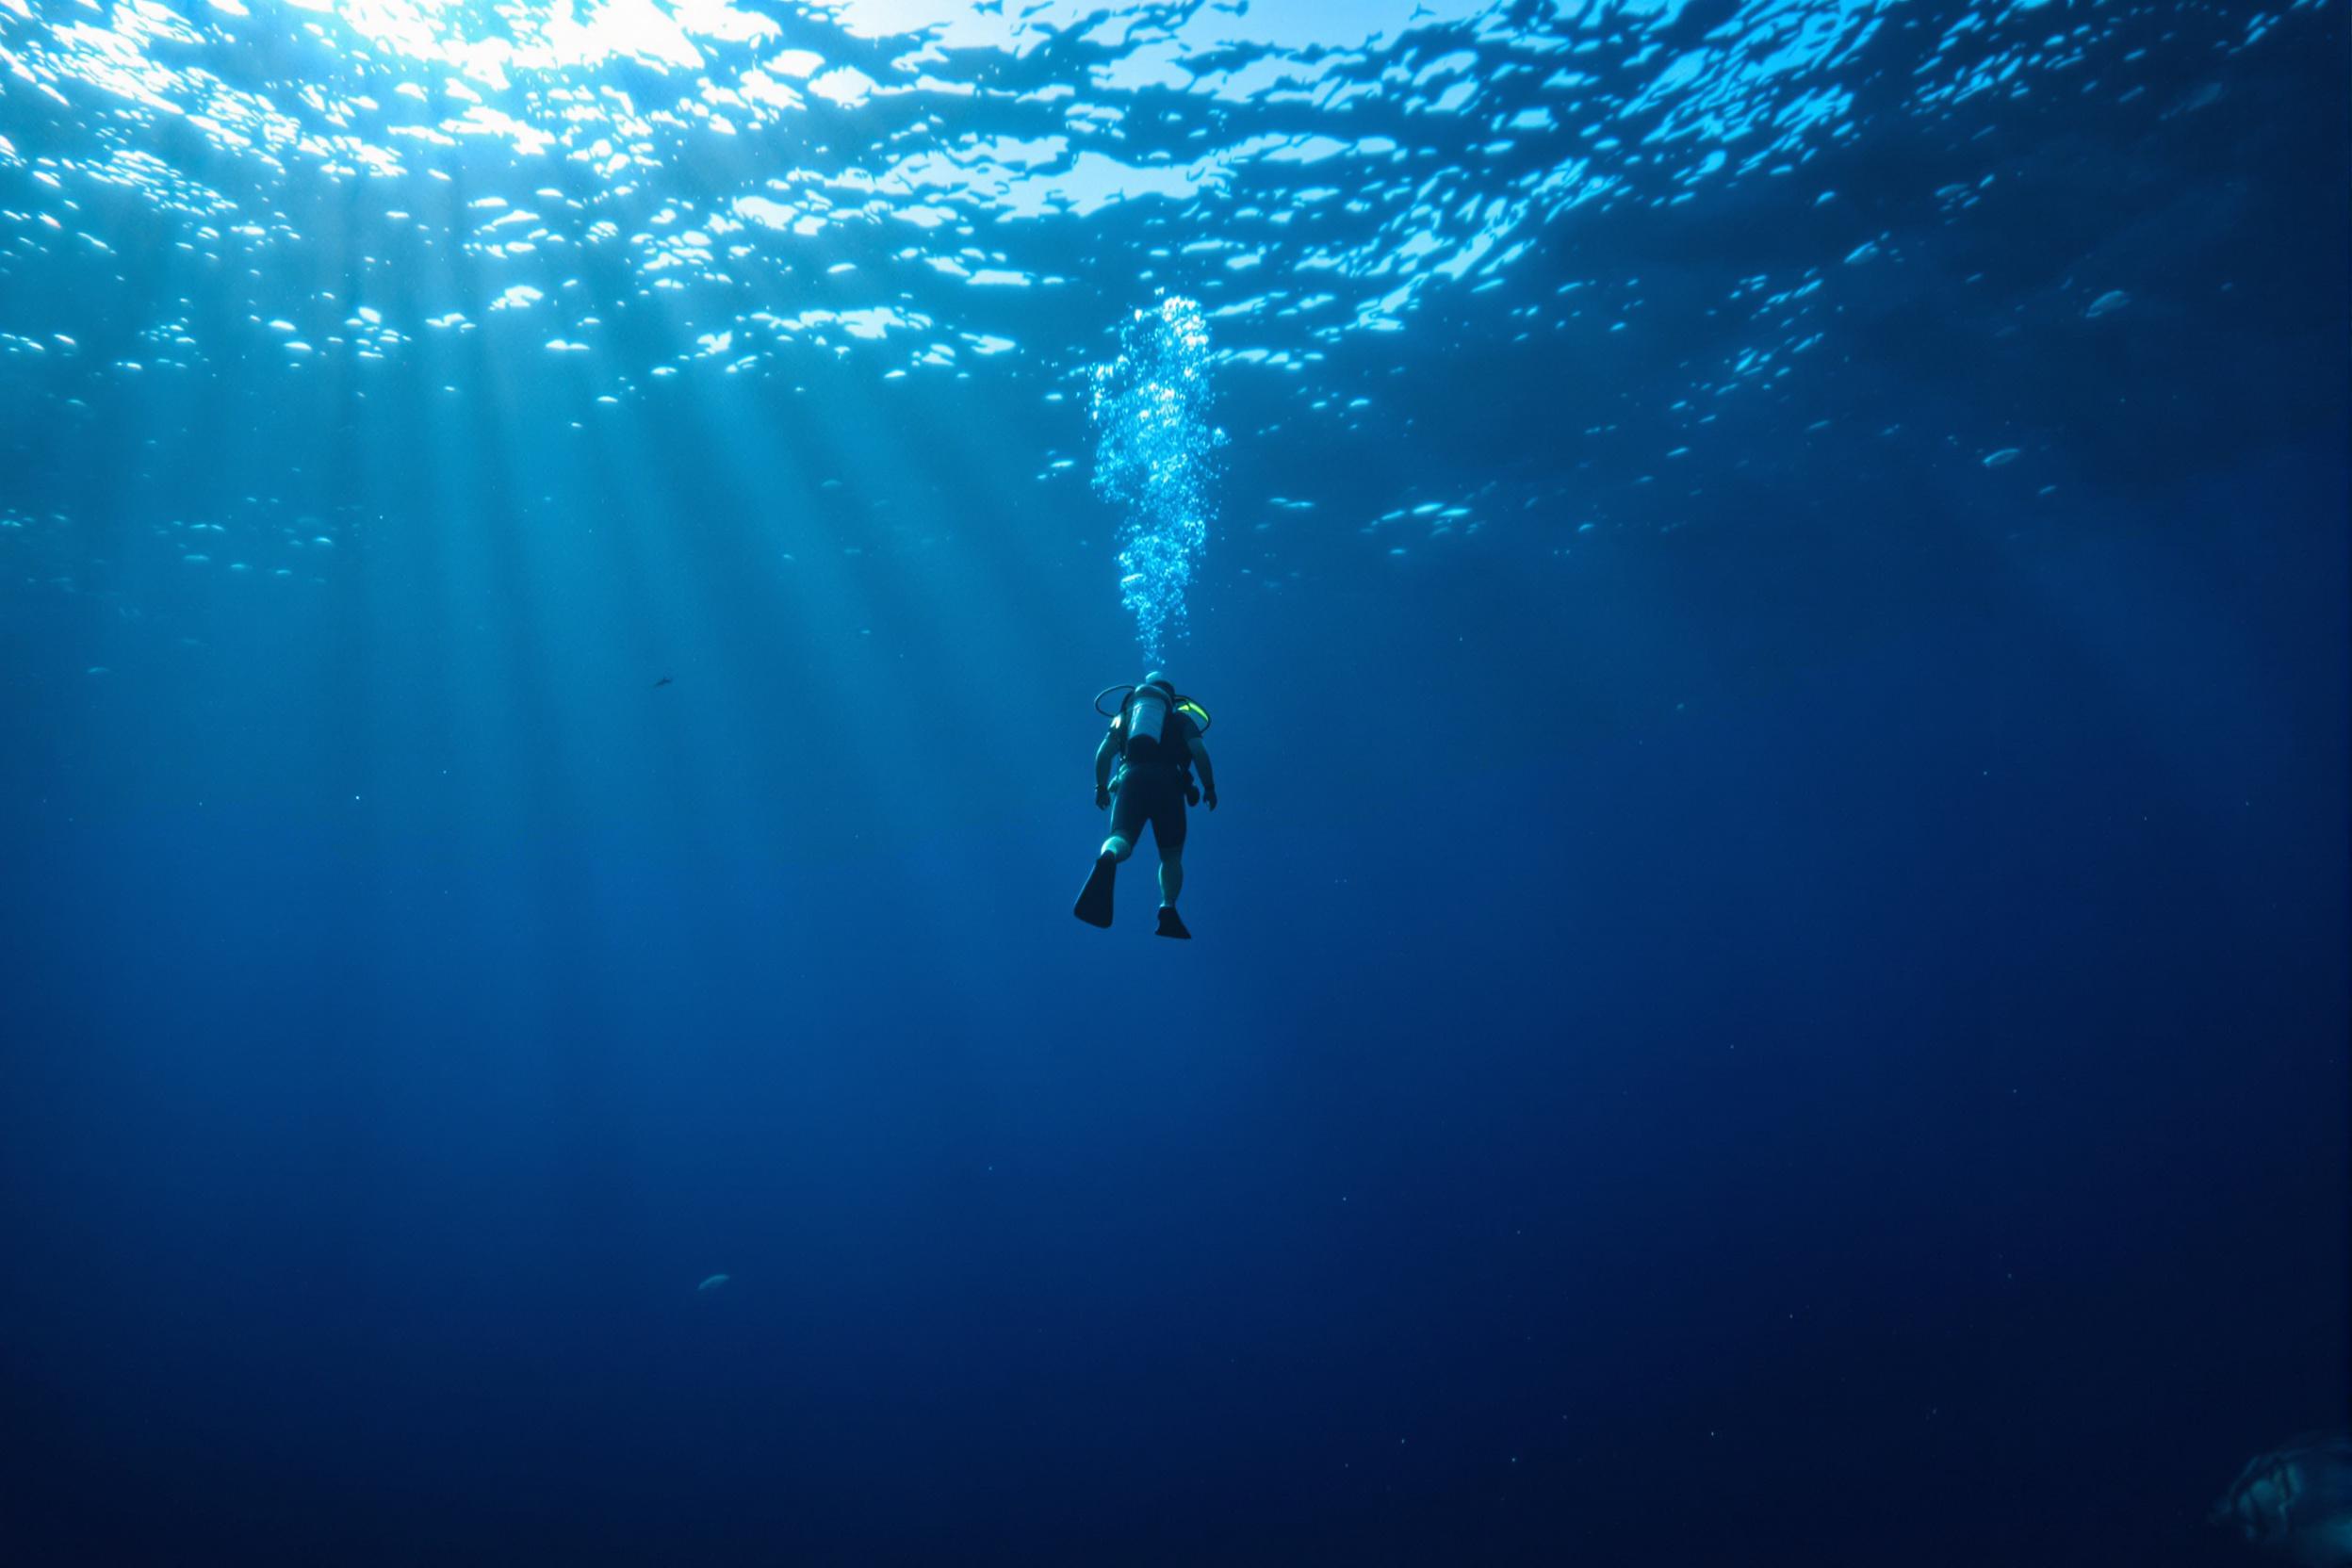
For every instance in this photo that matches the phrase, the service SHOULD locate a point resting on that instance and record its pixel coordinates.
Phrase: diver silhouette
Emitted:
(1143, 772)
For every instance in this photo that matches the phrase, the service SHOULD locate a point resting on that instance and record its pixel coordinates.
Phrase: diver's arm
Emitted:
(1202, 765)
(1105, 755)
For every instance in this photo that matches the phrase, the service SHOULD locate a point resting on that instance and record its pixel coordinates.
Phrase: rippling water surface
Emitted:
(642, 192)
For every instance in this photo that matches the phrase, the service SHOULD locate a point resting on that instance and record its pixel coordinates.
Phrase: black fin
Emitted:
(1170, 925)
(1094, 903)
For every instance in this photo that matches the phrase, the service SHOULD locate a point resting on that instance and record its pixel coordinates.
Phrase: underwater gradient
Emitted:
(1769, 977)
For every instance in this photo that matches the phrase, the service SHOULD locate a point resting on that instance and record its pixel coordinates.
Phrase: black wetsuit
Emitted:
(1152, 790)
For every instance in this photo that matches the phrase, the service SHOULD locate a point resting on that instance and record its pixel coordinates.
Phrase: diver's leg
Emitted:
(1094, 900)
(1171, 883)
(1094, 903)
(1167, 831)
(1127, 819)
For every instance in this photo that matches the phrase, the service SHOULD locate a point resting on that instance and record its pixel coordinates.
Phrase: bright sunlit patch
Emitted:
(754, 170)
(843, 84)
(488, 39)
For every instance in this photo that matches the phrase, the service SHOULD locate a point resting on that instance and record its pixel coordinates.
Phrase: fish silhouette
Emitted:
(664, 681)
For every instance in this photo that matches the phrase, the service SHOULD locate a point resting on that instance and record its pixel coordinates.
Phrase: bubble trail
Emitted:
(1155, 455)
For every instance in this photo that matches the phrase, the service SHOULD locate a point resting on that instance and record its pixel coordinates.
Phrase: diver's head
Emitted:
(1157, 679)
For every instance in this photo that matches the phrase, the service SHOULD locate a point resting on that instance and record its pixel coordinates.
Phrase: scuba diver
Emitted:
(1154, 741)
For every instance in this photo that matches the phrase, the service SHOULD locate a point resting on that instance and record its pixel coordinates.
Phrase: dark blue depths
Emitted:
(1803, 1024)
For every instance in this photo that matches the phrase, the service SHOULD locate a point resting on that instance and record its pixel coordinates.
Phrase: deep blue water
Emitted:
(1771, 978)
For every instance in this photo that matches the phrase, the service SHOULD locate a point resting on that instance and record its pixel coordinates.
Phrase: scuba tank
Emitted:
(1146, 709)
(1146, 719)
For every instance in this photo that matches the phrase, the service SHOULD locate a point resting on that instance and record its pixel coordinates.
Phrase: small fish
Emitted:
(714, 1283)
(659, 684)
